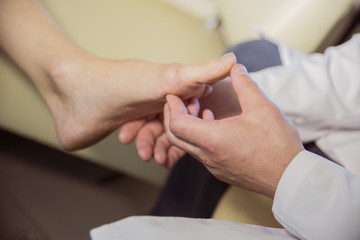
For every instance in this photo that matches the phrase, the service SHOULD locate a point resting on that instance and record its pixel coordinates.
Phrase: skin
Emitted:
(151, 140)
(88, 96)
(250, 149)
(150, 136)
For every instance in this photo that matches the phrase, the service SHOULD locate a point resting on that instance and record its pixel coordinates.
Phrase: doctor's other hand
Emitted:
(251, 150)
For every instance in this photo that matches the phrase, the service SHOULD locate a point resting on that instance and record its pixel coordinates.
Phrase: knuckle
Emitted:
(266, 112)
(209, 163)
(213, 147)
(173, 72)
(175, 79)
(273, 112)
(177, 127)
(213, 144)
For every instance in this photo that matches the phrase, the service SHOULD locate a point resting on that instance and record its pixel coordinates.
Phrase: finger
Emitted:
(174, 154)
(210, 71)
(165, 153)
(193, 107)
(129, 130)
(146, 139)
(208, 90)
(187, 147)
(161, 149)
(171, 138)
(247, 91)
(208, 114)
(186, 130)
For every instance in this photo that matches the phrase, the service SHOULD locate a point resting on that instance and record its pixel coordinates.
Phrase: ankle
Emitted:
(80, 114)
(59, 97)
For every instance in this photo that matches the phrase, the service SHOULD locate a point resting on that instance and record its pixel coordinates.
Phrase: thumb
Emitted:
(247, 91)
(184, 130)
(176, 105)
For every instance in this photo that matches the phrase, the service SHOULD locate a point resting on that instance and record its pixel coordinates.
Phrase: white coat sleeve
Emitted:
(318, 199)
(318, 92)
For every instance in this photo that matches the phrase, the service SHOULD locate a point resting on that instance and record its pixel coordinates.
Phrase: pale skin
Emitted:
(251, 150)
(150, 136)
(88, 96)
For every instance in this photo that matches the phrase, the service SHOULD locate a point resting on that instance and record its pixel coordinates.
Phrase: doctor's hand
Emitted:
(150, 137)
(149, 132)
(250, 150)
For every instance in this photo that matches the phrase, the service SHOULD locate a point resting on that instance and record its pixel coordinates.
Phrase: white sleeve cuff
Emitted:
(318, 199)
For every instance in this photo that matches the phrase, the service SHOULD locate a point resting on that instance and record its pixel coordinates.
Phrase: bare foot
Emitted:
(94, 96)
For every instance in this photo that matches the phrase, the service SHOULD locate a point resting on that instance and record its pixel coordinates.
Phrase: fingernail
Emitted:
(241, 69)
(159, 158)
(228, 55)
(123, 138)
(143, 154)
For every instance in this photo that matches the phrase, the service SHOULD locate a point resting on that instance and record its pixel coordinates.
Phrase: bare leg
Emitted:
(89, 96)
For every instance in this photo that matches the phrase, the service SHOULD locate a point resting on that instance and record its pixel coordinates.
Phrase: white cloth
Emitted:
(175, 228)
(332, 214)
(316, 198)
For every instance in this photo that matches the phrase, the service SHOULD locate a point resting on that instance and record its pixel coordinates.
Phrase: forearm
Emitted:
(33, 40)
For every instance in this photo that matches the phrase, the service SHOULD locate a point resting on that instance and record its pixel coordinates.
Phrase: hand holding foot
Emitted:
(250, 150)
(151, 140)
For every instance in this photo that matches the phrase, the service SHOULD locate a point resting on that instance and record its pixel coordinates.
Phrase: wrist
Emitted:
(279, 167)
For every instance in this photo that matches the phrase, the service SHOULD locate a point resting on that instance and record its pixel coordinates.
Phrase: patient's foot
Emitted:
(93, 96)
